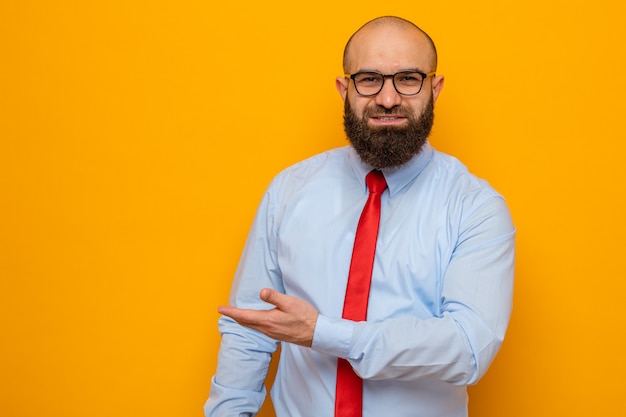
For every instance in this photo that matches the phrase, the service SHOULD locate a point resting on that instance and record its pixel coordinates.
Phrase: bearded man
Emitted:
(384, 269)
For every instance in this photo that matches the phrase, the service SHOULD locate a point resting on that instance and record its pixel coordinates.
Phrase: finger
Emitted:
(225, 310)
(238, 314)
(272, 296)
(229, 311)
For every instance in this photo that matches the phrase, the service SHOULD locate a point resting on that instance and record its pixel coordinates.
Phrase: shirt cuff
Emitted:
(333, 336)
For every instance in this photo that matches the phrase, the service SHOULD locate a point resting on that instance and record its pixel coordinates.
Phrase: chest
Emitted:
(417, 235)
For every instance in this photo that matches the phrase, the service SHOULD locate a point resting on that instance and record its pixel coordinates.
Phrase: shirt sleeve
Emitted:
(238, 386)
(457, 345)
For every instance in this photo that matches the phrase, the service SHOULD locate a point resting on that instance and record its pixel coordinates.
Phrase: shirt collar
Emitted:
(397, 177)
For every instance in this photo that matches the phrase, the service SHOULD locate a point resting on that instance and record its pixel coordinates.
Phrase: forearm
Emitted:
(459, 337)
(401, 348)
(238, 387)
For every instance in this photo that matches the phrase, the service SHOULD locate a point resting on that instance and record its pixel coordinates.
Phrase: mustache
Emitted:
(383, 111)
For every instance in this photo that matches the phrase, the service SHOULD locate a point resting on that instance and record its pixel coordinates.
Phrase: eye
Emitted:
(368, 79)
(409, 78)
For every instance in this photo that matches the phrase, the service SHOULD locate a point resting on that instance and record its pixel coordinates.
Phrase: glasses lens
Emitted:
(368, 83)
(408, 83)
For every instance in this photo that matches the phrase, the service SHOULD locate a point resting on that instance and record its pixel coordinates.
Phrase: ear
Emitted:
(341, 83)
(437, 84)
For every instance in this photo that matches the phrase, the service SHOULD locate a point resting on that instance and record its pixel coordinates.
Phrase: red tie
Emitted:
(349, 395)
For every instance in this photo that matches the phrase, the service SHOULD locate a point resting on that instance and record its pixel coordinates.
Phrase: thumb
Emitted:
(270, 296)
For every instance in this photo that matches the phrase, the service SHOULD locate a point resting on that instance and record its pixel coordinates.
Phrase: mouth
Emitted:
(387, 120)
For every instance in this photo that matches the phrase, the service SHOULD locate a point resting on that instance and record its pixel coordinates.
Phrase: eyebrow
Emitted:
(402, 70)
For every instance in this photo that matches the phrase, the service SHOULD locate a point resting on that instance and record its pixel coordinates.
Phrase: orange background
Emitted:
(136, 138)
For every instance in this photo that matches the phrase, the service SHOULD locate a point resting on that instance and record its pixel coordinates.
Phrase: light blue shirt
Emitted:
(440, 297)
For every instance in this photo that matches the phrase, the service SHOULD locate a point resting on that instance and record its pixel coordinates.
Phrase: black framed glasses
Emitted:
(406, 83)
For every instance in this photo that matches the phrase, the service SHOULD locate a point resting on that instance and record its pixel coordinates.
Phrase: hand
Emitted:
(293, 320)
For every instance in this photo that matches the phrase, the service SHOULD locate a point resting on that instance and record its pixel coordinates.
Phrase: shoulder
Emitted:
(460, 193)
(327, 165)
(317, 162)
(469, 201)
(454, 176)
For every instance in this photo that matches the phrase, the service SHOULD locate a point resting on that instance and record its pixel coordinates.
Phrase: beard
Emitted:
(388, 146)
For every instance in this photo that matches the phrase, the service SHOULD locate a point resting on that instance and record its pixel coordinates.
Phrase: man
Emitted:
(442, 275)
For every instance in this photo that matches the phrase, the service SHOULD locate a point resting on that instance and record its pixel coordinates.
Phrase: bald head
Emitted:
(377, 27)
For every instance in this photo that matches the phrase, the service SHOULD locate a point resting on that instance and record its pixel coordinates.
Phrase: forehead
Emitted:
(389, 48)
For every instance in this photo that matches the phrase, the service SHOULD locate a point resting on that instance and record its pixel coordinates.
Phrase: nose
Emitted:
(388, 97)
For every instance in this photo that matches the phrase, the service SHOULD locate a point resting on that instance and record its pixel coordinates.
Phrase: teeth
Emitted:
(384, 119)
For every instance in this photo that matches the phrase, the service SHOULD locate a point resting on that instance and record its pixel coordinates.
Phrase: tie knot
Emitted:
(375, 181)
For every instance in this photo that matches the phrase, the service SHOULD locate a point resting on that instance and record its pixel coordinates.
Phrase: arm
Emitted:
(292, 321)
(238, 387)
(459, 343)
(456, 346)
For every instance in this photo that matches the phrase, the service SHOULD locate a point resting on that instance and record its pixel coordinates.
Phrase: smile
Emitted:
(387, 120)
